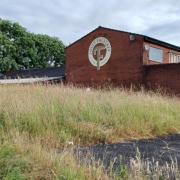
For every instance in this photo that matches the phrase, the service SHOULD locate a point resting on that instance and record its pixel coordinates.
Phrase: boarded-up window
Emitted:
(156, 54)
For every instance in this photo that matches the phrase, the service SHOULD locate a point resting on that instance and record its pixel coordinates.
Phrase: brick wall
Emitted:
(125, 65)
(146, 56)
(166, 76)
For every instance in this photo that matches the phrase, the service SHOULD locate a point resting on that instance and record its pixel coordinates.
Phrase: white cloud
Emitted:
(71, 19)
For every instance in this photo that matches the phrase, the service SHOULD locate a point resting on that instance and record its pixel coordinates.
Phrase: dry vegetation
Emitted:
(37, 120)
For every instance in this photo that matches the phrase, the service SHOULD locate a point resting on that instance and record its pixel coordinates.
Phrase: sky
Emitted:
(69, 20)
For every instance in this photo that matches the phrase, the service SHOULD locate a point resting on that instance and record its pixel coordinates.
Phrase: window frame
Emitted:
(174, 57)
(157, 49)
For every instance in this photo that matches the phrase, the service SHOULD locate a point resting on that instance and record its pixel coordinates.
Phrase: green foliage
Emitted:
(15, 174)
(20, 49)
(12, 166)
(122, 174)
(70, 174)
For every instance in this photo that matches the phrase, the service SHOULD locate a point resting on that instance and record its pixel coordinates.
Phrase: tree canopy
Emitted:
(20, 49)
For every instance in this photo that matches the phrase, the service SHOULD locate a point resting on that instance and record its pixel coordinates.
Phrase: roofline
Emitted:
(83, 37)
(34, 69)
(161, 43)
(146, 38)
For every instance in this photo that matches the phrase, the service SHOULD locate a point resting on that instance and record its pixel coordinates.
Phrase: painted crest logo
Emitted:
(99, 52)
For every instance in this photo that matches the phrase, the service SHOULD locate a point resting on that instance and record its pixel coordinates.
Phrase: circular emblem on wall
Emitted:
(99, 52)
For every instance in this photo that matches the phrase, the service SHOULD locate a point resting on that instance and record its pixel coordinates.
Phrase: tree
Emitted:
(7, 52)
(20, 49)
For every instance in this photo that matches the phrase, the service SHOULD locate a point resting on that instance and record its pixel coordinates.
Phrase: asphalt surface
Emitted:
(163, 150)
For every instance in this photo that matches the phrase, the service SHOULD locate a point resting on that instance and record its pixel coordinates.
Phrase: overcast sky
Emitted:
(72, 19)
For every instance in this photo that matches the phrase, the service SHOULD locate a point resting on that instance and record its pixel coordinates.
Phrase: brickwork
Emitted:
(128, 64)
(166, 76)
(165, 54)
(124, 66)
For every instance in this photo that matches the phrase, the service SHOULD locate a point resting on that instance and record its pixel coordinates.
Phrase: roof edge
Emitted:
(161, 43)
(146, 38)
(101, 27)
(83, 37)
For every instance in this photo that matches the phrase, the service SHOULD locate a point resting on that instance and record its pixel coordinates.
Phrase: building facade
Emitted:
(122, 58)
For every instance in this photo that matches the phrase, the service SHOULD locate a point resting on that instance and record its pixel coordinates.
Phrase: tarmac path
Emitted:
(163, 150)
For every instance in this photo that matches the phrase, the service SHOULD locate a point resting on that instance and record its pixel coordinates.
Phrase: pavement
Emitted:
(28, 80)
(163, 150)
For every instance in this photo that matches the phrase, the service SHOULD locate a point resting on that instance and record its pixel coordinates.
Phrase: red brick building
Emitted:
(123, 58)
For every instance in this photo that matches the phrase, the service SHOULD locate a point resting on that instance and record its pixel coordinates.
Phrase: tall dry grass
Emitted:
(57, 114)
(36, 120)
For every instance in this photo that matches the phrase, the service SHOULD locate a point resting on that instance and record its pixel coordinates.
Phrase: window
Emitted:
(174, 58)
(155, 54)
